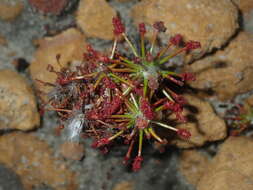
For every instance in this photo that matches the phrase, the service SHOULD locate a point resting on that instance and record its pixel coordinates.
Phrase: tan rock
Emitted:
(193, 165)
(204, 125)
(124, 185)
(249, 100)
(229, 71)
(3, 41)
(10, 9)
(33, 161)
(244, 5)
(72, 150)
(231, 168)
(18, 109)
(123, 1)
(198, 20)
(95, 19)
(70, 44)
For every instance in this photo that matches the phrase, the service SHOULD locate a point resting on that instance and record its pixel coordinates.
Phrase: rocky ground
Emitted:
(34, 156)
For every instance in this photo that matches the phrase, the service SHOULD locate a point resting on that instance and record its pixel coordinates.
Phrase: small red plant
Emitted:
(239, 118)
(116, 96)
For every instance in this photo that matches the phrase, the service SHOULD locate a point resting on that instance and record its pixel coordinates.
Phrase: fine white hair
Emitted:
(74, 126)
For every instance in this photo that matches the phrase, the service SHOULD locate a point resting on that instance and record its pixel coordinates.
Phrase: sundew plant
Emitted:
(120, 98)
(239, 118)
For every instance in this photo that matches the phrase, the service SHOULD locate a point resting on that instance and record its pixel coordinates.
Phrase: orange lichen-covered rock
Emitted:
(229, 71)
(124, 185)
(9, 10)
(193, 165)
(18, 107)
(244, 5)
(198, 20)
(95, 19)
(34, 162)
(231, 168)
(3, 41)
(72, 150)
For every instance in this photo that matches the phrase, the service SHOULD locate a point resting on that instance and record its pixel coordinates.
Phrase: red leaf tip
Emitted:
(185, 134)
(160, 26)
(100, 142)
(137, 163)
(191, 45)
(142, 28)
(176, 40)
(118, 26)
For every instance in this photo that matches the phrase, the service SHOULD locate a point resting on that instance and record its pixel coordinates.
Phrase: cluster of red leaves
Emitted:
(117, 94)
(107, 109)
